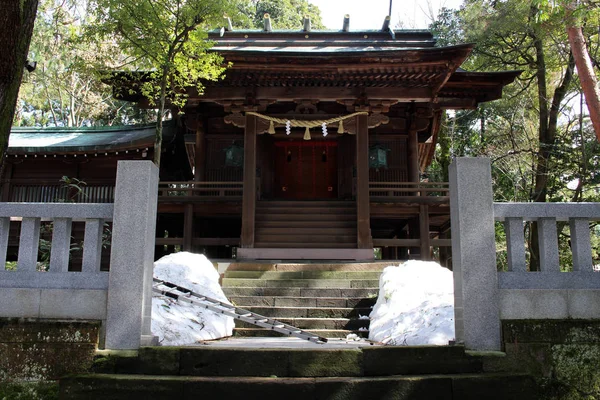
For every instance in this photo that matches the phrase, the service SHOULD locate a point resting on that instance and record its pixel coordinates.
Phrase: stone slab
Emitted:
(20, 303)
(73, 304)
(533, 304)
(325, 363)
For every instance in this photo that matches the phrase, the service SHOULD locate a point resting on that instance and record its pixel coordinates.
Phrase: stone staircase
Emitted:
(360, 373)
(331, 300)
(305, 224)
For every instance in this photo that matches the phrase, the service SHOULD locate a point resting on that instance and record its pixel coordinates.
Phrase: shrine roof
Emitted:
(82, 140)
(321, 41)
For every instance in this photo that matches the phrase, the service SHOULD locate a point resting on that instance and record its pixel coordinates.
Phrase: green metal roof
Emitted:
(83, 140)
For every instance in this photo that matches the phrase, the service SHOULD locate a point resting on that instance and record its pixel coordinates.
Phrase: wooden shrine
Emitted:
(313, 146)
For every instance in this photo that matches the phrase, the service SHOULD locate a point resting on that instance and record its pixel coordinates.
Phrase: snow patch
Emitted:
(180, 323)
(415, 305)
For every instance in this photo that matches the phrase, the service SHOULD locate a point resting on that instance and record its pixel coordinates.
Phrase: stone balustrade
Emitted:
(120, 298)
(484, 296)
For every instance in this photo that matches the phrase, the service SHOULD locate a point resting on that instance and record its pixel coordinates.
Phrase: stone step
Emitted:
(320, 266)
(491, 386)
(370, 293)
(351, 324)
(352, 275)
(328, 333)
(306, 283)
(374, 360)
(309, 312)
(290, 301)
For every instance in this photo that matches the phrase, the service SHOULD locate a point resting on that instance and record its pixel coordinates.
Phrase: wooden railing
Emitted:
(401, 189)
(201, 189)
(40, 192)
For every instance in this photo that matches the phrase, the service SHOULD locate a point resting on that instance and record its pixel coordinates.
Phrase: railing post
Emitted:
(476, 309)
(132, 255)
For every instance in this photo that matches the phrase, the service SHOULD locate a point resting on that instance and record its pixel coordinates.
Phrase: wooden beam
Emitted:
(322, 93)
(249, 196)
(363, 218)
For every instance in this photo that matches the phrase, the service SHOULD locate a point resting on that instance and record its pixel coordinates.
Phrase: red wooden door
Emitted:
(306, 170)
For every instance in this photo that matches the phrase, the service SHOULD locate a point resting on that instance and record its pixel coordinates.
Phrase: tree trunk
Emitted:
(548, 122)
(159, 115)
(16, 26)
(585, 70)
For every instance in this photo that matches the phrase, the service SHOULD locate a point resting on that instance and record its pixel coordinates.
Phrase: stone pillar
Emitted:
(132, 256)
(249, 196)
(363, 223)
(476, 309)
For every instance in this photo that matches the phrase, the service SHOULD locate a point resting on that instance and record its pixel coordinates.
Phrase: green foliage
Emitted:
(166, 39)
(537, 137)
(29, 391)
(65, 89)
(285, 14)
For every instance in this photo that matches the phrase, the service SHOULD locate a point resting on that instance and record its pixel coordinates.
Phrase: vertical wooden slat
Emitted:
(364, 239)
(515, 244)
(188, 220)
(8, 169)
(61, 245)
(581, 244)
(4, 234)
(249, 196)
(28, 244)
(200, 154)
(92, 245)
(424, 233)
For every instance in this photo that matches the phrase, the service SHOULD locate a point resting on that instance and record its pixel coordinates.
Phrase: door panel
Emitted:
(306, 170)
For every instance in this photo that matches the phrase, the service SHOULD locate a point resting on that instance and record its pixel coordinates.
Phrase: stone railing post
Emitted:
(477, 317)
(132, 255)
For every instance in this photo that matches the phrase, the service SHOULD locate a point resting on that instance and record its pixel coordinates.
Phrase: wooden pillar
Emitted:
(424, 233)
(413, 156)
(363, 223)
(413, 176)
(249, 197)
(200, 154)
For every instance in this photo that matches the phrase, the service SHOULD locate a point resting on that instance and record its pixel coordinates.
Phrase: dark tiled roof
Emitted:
(322, 41)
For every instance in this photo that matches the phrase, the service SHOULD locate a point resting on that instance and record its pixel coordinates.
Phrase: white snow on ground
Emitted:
(415, 305)
(180, 323)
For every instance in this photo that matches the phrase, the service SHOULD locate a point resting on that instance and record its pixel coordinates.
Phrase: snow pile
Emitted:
(415, 305)
(179, 323)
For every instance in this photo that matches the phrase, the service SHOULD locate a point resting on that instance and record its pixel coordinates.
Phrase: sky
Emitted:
(369, 14)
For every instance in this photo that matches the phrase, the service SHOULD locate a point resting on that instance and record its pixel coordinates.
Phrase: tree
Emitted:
(167, 39)
(573, 12)
(285, 14)
(528, 134)
(16, 25)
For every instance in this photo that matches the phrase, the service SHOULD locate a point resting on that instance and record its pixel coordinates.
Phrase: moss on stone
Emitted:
(29, 391)
(576, 367)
